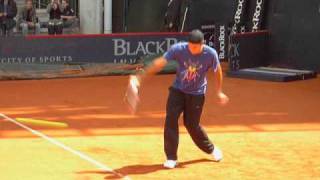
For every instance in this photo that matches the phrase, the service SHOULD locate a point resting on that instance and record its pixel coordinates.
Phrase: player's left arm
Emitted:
(218, 81)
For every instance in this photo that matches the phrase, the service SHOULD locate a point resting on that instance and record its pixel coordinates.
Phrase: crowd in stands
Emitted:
(61, 16)
(8, 11)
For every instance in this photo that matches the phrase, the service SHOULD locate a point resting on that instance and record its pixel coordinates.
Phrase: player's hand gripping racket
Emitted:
(132, 94)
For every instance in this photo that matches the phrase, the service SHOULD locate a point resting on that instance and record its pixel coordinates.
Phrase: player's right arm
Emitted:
(157, 65)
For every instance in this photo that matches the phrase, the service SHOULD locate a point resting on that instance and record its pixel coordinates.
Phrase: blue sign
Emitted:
(67, 49)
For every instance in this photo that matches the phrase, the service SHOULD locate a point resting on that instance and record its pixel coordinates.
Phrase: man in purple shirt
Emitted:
(187, 94)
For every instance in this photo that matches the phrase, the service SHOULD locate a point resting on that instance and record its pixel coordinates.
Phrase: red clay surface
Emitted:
(267, 131)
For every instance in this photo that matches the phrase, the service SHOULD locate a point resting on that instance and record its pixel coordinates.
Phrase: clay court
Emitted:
(267, 131)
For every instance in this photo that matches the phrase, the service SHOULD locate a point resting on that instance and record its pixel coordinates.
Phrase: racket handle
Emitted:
(134, 81)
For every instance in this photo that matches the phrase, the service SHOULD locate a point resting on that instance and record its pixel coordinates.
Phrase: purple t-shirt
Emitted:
(192, 69)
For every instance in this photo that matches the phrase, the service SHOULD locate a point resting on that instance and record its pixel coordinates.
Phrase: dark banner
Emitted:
(216, 36)
(209, 34)
(256, 15)
(240, 17)
(295, 28)
(114, 48)
(248, 50)
(221, 42)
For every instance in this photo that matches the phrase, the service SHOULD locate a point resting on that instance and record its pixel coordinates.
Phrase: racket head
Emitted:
(132, 94)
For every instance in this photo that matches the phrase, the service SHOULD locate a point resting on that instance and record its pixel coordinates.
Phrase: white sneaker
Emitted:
(170, 164)
(217, 154)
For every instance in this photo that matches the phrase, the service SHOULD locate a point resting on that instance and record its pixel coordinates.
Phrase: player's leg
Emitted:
(175, 105)
(191, 118)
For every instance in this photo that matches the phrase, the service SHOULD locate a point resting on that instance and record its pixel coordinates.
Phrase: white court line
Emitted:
(66, 148)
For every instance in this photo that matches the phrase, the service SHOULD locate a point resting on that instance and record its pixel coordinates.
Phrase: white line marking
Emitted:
(66, 148)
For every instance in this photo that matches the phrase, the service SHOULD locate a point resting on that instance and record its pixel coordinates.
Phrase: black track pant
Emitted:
(191, 106)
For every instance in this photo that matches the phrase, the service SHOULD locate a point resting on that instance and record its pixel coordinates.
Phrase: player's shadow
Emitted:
(141, 169)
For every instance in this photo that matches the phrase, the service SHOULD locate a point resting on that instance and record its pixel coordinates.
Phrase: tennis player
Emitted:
(187, 94)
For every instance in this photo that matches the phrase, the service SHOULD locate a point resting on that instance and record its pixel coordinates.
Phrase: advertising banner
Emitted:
(112, 48)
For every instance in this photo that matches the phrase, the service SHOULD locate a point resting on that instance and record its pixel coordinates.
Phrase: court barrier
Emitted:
(250, 58)
(37, 57)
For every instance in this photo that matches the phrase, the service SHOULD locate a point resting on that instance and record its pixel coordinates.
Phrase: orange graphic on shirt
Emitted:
(192, 71)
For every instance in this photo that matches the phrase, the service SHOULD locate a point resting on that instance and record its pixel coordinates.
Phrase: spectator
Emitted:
(29, 19)
(68, 15)
(8, 11)
(55, 24)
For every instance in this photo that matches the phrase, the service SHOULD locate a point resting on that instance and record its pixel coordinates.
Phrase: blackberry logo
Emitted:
(256, 16)
(237, 16)
(123, 47)
(222, 42)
